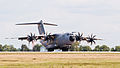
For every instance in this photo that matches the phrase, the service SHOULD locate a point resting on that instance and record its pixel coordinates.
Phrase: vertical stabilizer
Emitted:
(41, 28)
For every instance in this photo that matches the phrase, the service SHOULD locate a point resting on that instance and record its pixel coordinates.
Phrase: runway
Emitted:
(59, 59)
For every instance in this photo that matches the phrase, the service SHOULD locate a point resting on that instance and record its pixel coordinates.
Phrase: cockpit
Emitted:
(69, 34)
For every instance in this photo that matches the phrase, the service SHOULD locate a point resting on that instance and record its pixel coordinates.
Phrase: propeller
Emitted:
(49, 38)
(91, 39)
(31, 38)
(79, 36)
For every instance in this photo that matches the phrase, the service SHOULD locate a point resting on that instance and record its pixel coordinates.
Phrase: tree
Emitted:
(8, 48)
(37, 47)
(12, 48)
(81, 48)
(117, 48)
(104, 48)
(86, 48)
(112, 49)
(18, 49)
(24, 48)
(74, 46)
(97, 48)
(1, 47)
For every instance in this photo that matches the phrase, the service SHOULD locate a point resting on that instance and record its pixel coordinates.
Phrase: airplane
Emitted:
(56, 41)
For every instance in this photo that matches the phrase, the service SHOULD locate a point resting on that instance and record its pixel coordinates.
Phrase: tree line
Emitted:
(77, 47)
(74, 47)
(23, 48)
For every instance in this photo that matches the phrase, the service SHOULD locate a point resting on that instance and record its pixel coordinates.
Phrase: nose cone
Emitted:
(71, 38)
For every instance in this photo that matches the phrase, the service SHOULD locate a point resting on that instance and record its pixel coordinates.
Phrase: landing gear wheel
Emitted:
(65, 49)
(50, 50)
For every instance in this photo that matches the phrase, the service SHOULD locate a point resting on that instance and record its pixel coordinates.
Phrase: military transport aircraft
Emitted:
(56, 41)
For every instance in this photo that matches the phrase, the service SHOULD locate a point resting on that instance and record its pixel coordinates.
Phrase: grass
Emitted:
(44, 60)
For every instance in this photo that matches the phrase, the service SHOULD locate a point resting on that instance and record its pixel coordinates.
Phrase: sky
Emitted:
(100, 17)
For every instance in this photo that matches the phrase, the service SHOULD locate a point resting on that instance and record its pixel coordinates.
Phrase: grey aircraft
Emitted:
(56, 41)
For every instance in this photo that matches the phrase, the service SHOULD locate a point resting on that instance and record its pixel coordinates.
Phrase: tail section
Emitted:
(40, 26)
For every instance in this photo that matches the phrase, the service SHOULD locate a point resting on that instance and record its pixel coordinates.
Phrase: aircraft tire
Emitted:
(65, 49)
(49, 50)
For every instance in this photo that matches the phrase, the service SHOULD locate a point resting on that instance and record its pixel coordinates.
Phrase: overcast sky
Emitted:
(100, 17)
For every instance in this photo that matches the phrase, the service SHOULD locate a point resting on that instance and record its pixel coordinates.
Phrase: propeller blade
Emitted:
(34, 34)
(32, 42)
(91, 35)
(81, 34)
(78, 33)
(49, 33)
(94, 36)
(94, 42)
(31, 34)
(46, 33)
(91, 43)
(91, 39)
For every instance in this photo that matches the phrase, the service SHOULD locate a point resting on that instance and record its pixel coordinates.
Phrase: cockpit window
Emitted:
(69, 34)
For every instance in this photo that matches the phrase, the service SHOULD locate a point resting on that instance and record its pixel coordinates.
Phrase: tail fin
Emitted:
(40, 26)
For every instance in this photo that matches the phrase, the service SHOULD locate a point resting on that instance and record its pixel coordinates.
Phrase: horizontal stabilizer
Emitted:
(27, 23)
(40, 26)
(37, 24)
(50, 24)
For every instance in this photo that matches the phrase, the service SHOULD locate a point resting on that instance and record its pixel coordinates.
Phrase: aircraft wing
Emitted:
(40, 37)
(25, 38)
(22, 38)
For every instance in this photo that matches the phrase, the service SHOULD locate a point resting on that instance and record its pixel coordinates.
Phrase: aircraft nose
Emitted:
(71, 38)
